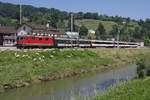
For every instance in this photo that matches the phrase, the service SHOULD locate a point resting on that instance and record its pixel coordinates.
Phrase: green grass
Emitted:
(133, 90)
(26, 65)
(19, 68)
(93, 24)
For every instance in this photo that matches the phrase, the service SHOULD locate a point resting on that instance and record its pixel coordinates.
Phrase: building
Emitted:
(91, 32)
(72, 34)
(7, 36)
(33, 29)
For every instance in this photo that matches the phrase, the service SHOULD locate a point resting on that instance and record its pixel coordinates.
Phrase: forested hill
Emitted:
(104, 25)
(43, 15)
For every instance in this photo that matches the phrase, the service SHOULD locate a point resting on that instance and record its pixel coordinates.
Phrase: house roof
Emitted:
(7, 30)
(40, 27)
(36, 27)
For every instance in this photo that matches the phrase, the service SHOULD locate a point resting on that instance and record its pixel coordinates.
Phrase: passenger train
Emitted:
(31, 41)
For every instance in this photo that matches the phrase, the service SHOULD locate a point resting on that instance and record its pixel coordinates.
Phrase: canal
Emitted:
(76, 87)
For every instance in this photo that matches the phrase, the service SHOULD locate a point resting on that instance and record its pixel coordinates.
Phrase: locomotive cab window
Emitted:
(18, 38)
(46, 39)
(40, 38)
(21, 38)
(33, 38)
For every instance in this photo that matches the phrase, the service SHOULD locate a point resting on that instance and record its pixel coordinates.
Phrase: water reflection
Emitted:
(69, 89)
(103, 86)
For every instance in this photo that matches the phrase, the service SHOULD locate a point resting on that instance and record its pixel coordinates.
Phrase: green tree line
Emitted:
(43, 15)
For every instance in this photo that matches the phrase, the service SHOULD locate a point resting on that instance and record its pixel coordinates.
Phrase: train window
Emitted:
(68, 41)
(103, 42)
(85, 42)
(21, 38)
(33, 38)
(74, 42)
(24, 28)
(46, 38)
(25, 38)
(17, 38)
(60, 41)
(40, 38)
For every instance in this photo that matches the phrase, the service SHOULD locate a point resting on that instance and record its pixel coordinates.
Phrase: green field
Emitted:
(22, 68)
(133, 90)
(93, 24)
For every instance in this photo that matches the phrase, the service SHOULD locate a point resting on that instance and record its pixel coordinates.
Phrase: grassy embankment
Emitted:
(137, 89)
(22, 68)
(134, 90)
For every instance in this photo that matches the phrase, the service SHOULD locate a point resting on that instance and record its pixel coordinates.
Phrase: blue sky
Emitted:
(137, 9)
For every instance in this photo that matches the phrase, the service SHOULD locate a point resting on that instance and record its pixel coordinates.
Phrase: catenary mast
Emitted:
(20, 13)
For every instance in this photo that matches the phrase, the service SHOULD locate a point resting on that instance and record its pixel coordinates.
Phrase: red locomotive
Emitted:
(31, 41)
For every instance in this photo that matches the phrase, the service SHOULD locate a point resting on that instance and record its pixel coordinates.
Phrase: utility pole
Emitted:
(118, 38)
(20, 13)
(119, 32)
(71, 22)
(71, 27)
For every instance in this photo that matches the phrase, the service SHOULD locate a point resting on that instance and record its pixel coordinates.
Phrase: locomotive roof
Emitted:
(34, 36)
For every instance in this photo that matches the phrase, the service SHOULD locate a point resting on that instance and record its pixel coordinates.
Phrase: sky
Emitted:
(136, 9)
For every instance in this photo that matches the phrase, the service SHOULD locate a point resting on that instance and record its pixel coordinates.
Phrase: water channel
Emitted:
(68, 89)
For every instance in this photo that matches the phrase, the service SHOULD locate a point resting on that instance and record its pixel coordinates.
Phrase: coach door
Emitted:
(1, 40)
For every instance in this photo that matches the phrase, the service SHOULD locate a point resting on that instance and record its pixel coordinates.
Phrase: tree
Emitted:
(118, 19)
(54, 20)
(83, 31)
(100, 32)
(79, 15)
(123, 34)
(131, 32)
(114, 31)
(61, 24)
(76, 28)
(95, 16)
(147, 41)
(88, 15)
(137, 33)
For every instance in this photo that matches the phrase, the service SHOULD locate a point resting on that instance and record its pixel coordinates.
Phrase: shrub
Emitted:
(148, 71)
(141, 68)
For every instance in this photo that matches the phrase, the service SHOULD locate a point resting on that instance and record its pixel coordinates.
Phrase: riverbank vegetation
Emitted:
(22, 68)
(134, 90)
(137, 89)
